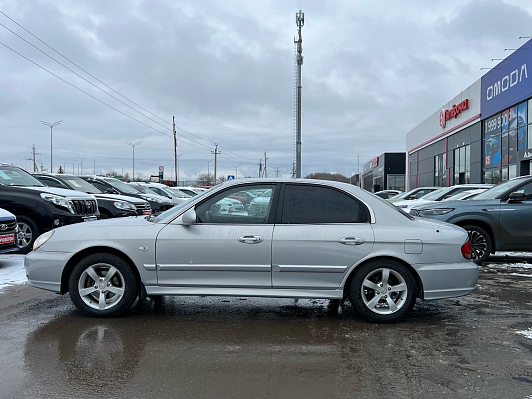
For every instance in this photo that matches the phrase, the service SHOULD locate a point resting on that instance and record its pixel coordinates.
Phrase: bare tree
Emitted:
(205, 179)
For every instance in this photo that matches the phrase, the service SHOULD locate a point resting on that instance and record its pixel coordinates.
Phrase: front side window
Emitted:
(241, 205)
(313, 204)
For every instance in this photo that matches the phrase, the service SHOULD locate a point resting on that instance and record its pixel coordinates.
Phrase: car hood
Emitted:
(62, 192)
(118, 197)
(411, 203)
(5, 214)
(459, 204)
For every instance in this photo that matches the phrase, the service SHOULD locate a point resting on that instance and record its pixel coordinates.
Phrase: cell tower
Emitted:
(298, 43)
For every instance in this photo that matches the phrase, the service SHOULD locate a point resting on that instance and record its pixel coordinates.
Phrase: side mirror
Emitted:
(189, 217)
(517, 197)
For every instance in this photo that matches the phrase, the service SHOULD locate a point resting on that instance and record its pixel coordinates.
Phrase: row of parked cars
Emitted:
(497, 218)
(33, 204)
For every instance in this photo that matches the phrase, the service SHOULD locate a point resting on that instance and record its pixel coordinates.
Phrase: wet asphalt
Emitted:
(213, 347)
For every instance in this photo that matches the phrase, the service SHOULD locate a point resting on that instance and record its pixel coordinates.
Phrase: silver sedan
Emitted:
(312, 239)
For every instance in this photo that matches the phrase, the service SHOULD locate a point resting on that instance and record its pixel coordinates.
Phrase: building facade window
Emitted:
(395, 182)
(462, 165)
(440, 170)
(504, 135)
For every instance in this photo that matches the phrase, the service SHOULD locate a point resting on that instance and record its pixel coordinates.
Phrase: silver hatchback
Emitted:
(311, 239)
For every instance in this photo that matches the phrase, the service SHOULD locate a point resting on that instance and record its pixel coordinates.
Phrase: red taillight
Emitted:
(466, 250)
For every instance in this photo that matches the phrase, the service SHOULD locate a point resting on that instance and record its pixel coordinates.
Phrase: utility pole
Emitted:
(276, 172)
(260, 167)
(215, 152)
(298, 40)
(265, 170)
(175, 149)
(35, 168)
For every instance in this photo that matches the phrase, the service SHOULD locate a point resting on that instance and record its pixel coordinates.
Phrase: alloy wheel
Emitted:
(384, 291)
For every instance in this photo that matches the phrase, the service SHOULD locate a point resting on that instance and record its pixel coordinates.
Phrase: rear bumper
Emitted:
(447, 280)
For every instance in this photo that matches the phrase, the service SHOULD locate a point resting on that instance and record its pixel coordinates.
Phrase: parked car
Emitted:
(163, 190)
(8, 232)
(110, 185)
(109, 205)
(439, 195)
(497, 219)
(413, 194)
(39, 208)
(465, 195)
(318, 239)
(386, 194)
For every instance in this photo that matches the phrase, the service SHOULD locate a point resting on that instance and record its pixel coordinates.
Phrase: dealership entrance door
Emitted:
(524, 170)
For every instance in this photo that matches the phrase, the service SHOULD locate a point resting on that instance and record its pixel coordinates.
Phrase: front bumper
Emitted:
(45, 269)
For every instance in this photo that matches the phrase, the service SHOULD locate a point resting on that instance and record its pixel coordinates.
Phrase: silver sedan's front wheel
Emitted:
(383, 291)
(103, 285)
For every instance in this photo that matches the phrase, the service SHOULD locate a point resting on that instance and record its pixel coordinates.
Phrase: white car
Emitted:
(439, 195)
(317, 239)
(163, 190)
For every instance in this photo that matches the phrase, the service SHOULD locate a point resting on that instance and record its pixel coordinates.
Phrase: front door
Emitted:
(228, 247)
(516, 222)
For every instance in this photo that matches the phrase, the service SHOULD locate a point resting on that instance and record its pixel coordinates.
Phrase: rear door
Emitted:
(320, 233)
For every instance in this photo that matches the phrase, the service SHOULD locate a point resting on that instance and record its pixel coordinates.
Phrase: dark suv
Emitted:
(110, 185)
(499, 219)
(39, 208)
(109, 205)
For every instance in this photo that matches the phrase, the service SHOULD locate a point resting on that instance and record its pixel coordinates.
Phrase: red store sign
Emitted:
(446, 114)
(375, 162)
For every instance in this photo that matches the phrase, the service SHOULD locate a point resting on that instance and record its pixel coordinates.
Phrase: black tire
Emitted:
(383, 291)
(27, 234)
(104, 297)
(481, 244)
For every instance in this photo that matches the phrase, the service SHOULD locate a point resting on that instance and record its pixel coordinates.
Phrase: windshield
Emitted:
(436, 195)
(12, 176)
(174, 192)
(78, 184)
(175, 208)
(500, 189)
(186, 191)
(120, 185)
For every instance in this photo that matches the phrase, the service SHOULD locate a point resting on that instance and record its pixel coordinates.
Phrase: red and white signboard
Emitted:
(446, 114)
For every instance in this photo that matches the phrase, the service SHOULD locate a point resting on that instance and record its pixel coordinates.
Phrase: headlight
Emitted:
(435, 211)
(58, 200)
(42, 239)
(125, 205)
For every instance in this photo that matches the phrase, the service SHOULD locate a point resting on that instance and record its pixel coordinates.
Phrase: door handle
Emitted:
(351, 241)
(250, 239)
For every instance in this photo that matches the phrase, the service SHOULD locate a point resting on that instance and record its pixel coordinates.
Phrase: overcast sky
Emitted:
(372, 71)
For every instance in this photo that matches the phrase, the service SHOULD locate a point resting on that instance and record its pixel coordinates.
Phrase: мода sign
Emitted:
(446, 114)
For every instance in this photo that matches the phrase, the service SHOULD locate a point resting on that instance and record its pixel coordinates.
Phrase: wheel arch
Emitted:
(415, 274)
(483, 225)
(73, 261)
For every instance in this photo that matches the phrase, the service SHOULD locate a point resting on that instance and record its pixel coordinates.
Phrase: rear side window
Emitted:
(305, 204)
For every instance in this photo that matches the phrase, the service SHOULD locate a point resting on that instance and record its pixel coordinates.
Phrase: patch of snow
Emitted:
(526, 333)
(12, 270)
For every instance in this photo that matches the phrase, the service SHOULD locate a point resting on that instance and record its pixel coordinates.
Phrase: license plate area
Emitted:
(90, 219)
(7, 239)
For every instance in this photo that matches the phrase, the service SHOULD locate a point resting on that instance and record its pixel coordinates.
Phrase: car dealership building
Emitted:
(480, 136)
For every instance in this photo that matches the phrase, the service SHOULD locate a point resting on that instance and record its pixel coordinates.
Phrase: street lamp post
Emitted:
(73, 165)
(82, 165)
(133, 145)
(51, 127)
(178, 167)
(208, 170)
(64, 167)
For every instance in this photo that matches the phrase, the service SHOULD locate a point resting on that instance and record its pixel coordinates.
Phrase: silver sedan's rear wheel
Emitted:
(103, 285)
(383, 291)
